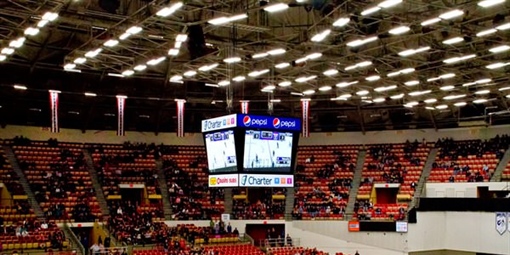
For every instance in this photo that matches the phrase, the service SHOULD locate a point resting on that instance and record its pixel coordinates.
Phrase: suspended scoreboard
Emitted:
(251, 151)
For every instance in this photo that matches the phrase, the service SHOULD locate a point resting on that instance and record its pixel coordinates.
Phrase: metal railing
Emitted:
(279, 242)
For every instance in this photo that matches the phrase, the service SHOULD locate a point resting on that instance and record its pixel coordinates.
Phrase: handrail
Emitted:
(73, 238)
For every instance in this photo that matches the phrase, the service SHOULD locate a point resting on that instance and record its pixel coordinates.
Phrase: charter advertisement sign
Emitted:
(264, 180)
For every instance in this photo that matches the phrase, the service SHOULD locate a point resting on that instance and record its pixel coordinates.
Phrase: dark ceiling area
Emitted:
(364, 65)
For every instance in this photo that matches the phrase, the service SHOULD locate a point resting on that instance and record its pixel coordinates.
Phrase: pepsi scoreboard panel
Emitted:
(251, 151)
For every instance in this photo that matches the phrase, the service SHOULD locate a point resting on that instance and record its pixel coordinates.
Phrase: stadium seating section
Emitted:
(63, 192)
(186, 172)
(323, 178)
(127, 164)
(59, 177)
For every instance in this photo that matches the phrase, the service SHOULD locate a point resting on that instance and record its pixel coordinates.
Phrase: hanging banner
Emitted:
(180, 117)
(54, 110)
(501, 222)
(244, 106)
(305, 109)
(121, 100)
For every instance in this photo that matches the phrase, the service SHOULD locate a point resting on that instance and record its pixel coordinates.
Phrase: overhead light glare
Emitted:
(90, 94)
(181, 38)
(412, 83)
(489, 3)
(499, 49)
(362, 92)
(111, 43)
(167, 11)
(441, 107)
(486, 32)
(325, 88)
(389, 3)
(503, 27)
(7, 51)
(430, 22)
(345, 84)
(451, 14)
(80, 60)
(330, 72)
(284, 83)
(134, 30)
(207, 68)
(373, 78)
(2, 57)
(305, 78)
(155, 61)
(173, 52)
(42, 23)
(398, 96)
(93, 53)
(341, 22)
(50, 16)
(275, 52)
(140, 68)
(309, 92)
(385, 88)
(190, 73)
(258, 73)
(482, 92)
(370, 11)
(453, 97)
(239, 78)
(430, 100)
(379, 100)
(128, 73)
(480, 101)
(282, 65)
(504, 88)
(321, 36)
(260, 55)
(497, 65)
(69, 66)
(419, 92)
(20, 87)
(453, 40)
(31, 31)
(314, 55)
(360, 42)
(176, 78)
(276, 7)
(447, 87)
(399, 30)
(232, 60)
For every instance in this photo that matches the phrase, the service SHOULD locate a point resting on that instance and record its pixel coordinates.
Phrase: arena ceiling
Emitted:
(364, 65)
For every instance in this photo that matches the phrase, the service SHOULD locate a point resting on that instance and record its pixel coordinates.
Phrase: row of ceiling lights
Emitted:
(46, 18)
(342, 22)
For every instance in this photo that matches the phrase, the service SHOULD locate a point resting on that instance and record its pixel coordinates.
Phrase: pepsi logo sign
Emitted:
(276, 123)
(247, 121)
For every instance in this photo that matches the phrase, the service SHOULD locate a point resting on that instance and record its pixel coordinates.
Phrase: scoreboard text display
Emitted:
(250, 150)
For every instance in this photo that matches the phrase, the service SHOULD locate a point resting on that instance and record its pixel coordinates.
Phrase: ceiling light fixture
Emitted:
(410, 52)
(385, 88)
(111, 43)
(31, 31)
(370, 11)
(282, 65)
(275, 52)
(128, 73)
(309, 92)
(453, 97)
(360, 42)
(453, 40)
(232, 60)
(284, 83)
(480, 101)
(398, 96)
(345, 84)
(497, 65)
(167, 11)
(499, 49)
(399, 30)
(451, 14)
(362, 92)
(389, 3)
(321, 36)
(173, 52)
(447, 87)
(140, 68)
(224, 83)
(80, 60)
(412, 83)
(341, 22)
(325, 88)
(489, 3)
(93, 53)
(276, 7)
(330, 72)
(239, 78)
(190, 73)
(155, 61)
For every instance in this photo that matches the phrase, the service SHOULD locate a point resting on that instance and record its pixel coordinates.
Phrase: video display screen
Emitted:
(221, 151)
(267, 151)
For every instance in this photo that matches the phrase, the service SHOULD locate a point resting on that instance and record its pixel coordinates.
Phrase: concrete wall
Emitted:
(467, 190)
(398, 136)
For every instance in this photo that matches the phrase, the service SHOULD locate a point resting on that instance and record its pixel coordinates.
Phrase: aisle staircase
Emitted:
(356, 180)
(425, 173)
(228, 200)
(24, 182)
(163, 187)
(496, 177)
(289, 203)
(103, 205)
